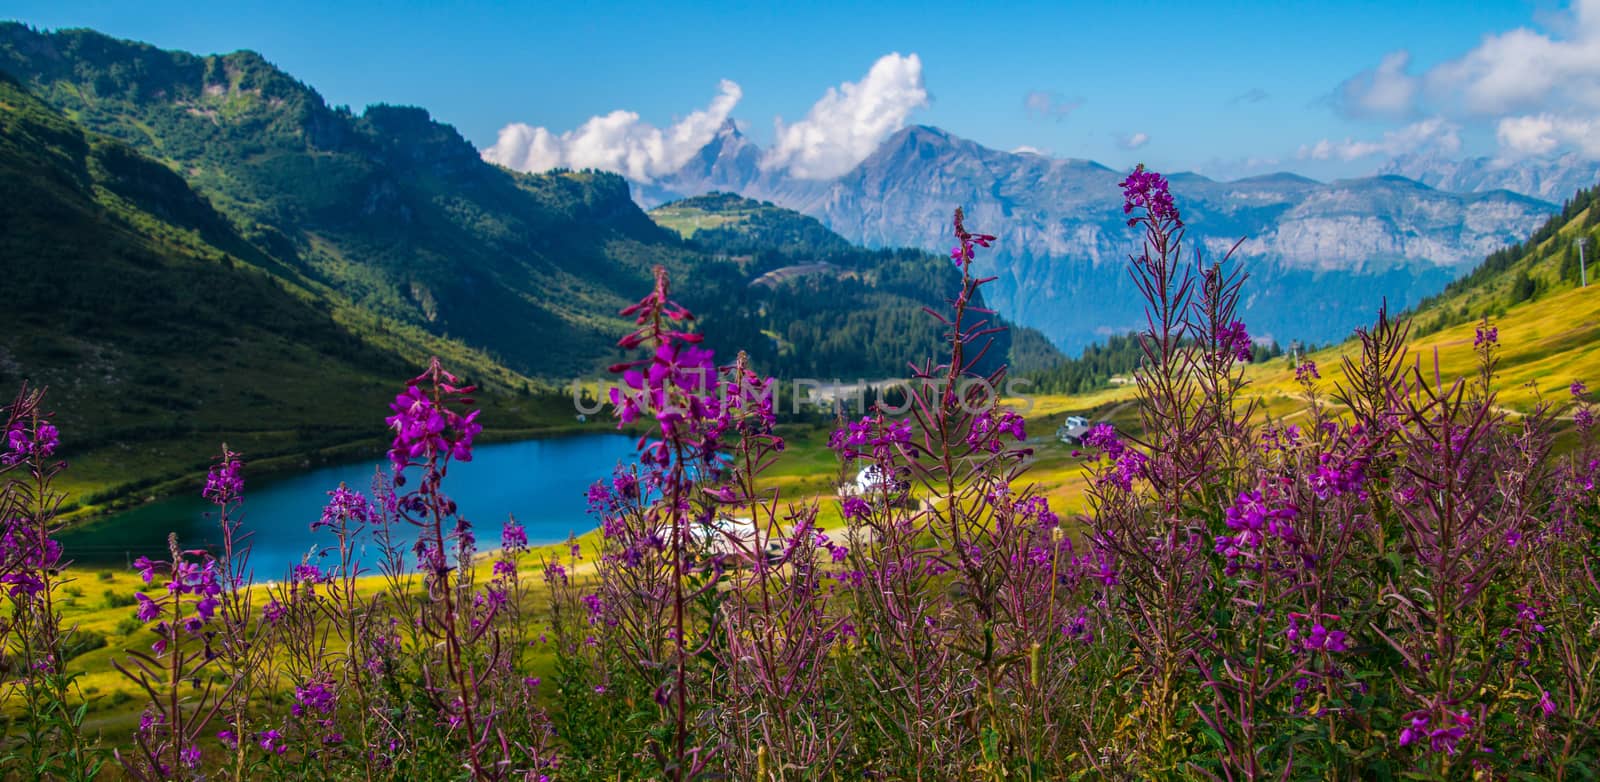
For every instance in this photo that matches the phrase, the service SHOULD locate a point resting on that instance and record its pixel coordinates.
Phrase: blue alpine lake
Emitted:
(540, 482)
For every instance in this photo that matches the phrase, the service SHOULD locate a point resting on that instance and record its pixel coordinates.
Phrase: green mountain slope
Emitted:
(396, 216)
(1547, 263)
(161, 331)
(391, 209)
(1548, 325)
(806, 303)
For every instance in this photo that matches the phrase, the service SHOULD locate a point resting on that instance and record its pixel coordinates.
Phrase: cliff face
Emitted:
(1552, 179)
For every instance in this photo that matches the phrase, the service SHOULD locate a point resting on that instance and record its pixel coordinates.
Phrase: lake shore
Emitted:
(89, 502)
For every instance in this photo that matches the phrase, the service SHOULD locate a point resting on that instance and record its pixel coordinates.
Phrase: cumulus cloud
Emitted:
(1542, 134)
(1539, 88)
(618, 142)
(1385, 91)
(1524, 69)
(850, 120)
(1044, 104)
(1434, 133)
(1134, 140)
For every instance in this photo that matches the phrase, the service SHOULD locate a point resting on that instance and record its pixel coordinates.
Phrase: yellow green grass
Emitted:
(687, 220)
(1544, 345)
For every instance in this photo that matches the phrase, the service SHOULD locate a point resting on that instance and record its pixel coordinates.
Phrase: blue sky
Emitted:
(1224, 88)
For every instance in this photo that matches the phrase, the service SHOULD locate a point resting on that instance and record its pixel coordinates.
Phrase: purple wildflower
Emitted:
(313, 697)
(146, 568)
(1145, 189)
(962, 253)
(351, 506)
(23, 442)
(149, 610)
(272, 741)
(1317, 637)
(513, 536)
(1233, 341)
(423, 426)
(856, 509)
(224, 482)
(985, 430)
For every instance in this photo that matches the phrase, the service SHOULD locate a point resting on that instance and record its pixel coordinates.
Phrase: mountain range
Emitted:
(1318, 253)
(1551, 178)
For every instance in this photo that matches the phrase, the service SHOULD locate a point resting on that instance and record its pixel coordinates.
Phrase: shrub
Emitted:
(111, 598)
(82, 641)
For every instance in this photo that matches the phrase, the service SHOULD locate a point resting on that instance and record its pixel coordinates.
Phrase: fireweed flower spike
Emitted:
(25, 442)
(1147, 192)
(200, 631)
(426, 425)
(655, 547)
(38, 689)
(1233, 342)
(963, 254)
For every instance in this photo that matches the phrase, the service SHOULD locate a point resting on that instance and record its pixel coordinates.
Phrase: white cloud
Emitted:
(1027, 150)
(1134, 141)
(1523, 69)
(1044, 104)
(850, 120)
(1433, 133)
(1539, 88)
(1542, 134)
(617, 142)
(1384, 91)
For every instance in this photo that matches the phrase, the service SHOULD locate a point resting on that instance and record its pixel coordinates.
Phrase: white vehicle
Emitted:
(872, 480)
(1073, 430)
(729, 536)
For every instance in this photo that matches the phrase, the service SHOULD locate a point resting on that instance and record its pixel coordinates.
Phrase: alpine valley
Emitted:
(211, 231)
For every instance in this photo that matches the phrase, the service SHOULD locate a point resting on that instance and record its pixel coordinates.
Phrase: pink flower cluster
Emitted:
(425, 425)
